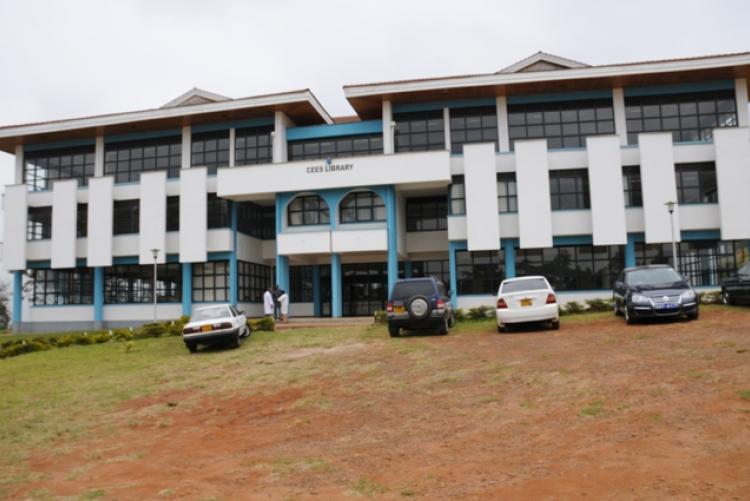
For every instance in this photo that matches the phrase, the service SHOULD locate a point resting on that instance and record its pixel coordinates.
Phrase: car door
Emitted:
(618, 291)
(743, 283)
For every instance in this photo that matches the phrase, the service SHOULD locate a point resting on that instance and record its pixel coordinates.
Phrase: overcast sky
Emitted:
(61, 59)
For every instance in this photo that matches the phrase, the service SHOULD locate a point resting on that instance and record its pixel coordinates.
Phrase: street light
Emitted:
(155, 253)
(670, 207)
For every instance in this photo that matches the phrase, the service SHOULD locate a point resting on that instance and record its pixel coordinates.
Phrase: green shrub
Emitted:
(262, 324)
(460, 314)
(122, 335)
(713, 297)
(599, 305)
(480, 312)
(184, 319)
(83, 339)
(153, 329)
(380, 317)
(573, 307)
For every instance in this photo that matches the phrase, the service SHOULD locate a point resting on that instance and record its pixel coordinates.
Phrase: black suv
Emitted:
(736, 287)
(419, 303)
(653, 291)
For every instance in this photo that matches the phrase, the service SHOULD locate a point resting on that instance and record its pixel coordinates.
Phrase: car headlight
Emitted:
(637, 298)
(688, 296)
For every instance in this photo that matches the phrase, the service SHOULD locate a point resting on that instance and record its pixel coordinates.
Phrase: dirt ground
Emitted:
(596, 410)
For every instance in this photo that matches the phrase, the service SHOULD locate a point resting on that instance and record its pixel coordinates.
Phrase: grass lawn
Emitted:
(646, 411)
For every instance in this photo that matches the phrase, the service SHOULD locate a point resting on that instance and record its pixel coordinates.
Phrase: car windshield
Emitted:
(531, 284)
(210, 313)
(653, 277)
(405, 290)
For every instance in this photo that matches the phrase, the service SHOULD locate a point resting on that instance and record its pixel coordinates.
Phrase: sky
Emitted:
(63, 59)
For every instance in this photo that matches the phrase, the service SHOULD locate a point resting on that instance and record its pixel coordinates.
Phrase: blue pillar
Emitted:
(407, 269)
(233, 283)
(17, 299)
(509, 253)
(630, 251)
(336, 296)
(317, 302)
(282, 272)
(187, 288)
(452, 247)
(98, 296)
(390, 207)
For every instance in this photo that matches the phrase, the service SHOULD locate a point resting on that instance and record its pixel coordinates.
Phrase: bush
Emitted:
(480, 312)
(599, 305)
(122, 335)
(573, 307)
(713, 297)
(380, 317)
(460, 314)
(153, 329)
(262, 324)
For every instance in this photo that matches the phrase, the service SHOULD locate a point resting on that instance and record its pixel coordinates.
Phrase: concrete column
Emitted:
(187, 288)
(232, 152)
(618, 105)
(281, 123)
(740, 90)
(503, 137)
(390, 208)
(233, 264)
(99, 157)
(18, 176)
(509, 255)
(388, 129)
(317, 299)
(630, 260)
(187, 141)
(98, 297)
(452, 247)
(336, 293)
(17, 300)
(447, 128)
(282, 272)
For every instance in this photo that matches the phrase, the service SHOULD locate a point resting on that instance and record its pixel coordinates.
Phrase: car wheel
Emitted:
(452, 321)
(192, 347)
(693, 316)
(393, 330)
(555, 324)
(628, 317)
(617, 309)
(247, 332)
(236, 341)
(726, 298)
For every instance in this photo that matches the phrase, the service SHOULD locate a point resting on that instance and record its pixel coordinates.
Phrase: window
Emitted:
(427, 214)
(631, 185)
(439, 269)
(689, 117)
(125, 217)
(419, 131)
(82, 223)
(701, 262)
(479, 272)
(39, 223)
(74, 286)
(307, 210)
(473, 125)
(569, 189)
(41, 168)
(210, 149)
(127, 160)
(457, 196)
(253, 146)
(253, 280)
(211, 282)
(217, 212)
(573, 267)
(507, 198)
(364, 288)
(696, 183)
(256, 221)
(173, 213)
(301, 284)
(134, 283)
(362, 207)
(349, 146)
(563, 124)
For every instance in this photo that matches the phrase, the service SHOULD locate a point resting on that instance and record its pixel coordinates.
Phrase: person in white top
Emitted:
(268, 303)
(284, 307)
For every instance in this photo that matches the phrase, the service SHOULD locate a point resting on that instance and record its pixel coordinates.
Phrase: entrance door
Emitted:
(364, 288)
(325, 290)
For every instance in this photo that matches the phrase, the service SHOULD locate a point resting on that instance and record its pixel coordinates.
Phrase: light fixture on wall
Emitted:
(155, 253)
(670, 207)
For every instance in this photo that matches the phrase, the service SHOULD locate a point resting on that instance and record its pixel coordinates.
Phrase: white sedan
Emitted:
(526, 299)
(220, 323)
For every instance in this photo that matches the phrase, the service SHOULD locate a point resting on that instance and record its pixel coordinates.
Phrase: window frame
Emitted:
(365, 200)
(507, 202)
(37, 166)
(581, 192)
(431, 124)
(206, 282)
(456, 197)
(204, 144)
(605, 262)
(39, 223)
(632, 187)
(253, 145)
(437, 213)
(476, 277)
(706, 190)
(126, 160)
(173, 213)
(252, 281)
(702, 262)
(126, 217)
(319, 211)
(460, 126)
(133, 283)
(61, 287)
(340, 146)
(218, 212)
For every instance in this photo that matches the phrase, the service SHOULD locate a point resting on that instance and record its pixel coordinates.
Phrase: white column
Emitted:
(99, 236)
(388, 129)
(187, 141)
(480, 181)
(607, 198)
(659, 186)
(618, 104)
(19, 165)
(64, 217)
(193, 217)
(15, 213)
(501, 103)
(232, 135)
(152, 224)
(534, 206)
(281, 123)
(447, 128)
(733, 179)
(99, 157)
(740, 90)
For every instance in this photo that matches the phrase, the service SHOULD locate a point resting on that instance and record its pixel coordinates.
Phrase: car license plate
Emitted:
(398, 309)
(206, 328)
(665, 306)
(526, 301)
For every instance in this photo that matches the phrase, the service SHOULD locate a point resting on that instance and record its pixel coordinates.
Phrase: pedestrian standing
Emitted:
(284, 306)
(268, 303)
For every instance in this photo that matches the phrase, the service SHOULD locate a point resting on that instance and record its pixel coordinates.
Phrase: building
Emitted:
(548, 166)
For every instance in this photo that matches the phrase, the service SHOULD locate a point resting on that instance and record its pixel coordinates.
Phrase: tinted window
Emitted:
(210, 313)
(405, 290)
(656, 276)
(745, 270)
(532, 284)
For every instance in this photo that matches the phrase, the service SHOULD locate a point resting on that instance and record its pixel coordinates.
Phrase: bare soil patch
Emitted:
(597, 409)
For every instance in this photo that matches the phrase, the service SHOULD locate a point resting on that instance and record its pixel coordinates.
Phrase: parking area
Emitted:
(596, 409)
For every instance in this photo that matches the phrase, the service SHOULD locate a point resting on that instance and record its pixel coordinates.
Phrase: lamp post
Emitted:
(670, 207)
(155, 253)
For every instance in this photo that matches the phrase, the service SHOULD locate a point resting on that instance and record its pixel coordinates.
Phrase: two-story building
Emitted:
(549, 166)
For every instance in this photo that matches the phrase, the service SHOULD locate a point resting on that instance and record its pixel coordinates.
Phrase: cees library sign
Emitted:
(329, 167)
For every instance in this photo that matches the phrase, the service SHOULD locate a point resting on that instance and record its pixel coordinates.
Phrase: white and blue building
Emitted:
(549, 166)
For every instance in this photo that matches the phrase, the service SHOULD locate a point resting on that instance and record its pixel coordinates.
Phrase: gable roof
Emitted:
(195, 96)
(542, 61)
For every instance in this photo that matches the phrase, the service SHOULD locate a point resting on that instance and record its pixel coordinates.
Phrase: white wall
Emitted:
(359, 240)
(14, 223)
(605, 183)
(534, 208)
(193, 216)
(64, 218)
(426, 241)
(308, 242)
(733, 179)
(99, 239)
(480, 183)
(138, 313)
(153, 217)
(658, 186)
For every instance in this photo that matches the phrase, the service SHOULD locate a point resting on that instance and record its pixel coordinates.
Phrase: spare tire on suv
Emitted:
(419, 303)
